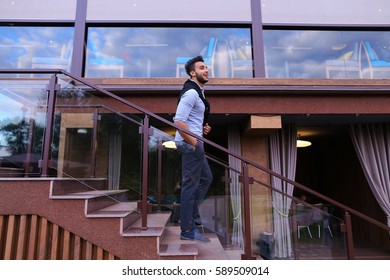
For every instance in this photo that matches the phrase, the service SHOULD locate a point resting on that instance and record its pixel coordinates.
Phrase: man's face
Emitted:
(201, 72)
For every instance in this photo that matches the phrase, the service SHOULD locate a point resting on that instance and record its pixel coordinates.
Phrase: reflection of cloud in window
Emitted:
(153, 50)
(20, 44)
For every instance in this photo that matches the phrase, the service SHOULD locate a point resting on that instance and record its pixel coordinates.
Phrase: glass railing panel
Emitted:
(220, 213)
(164, 169)
(264, 214)
(22, 124)
(371, 241)
(123, 150)
(215, 210)
(234, 243)
(285, 227)
(317, 232)
(91, 139)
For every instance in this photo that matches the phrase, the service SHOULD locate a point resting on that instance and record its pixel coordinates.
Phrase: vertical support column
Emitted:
(257, 39)
(53, 87)
(145, 168)
(79, 37)
(246, 211)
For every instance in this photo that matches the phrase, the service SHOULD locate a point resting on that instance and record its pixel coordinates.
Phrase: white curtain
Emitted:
(372, 145)
(234, 145)
(114, 160)
(283, 157)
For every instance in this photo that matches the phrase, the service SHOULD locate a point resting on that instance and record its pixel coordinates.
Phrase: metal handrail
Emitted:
(145, 130)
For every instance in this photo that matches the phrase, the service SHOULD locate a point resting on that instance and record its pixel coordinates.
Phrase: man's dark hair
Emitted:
(190, 64)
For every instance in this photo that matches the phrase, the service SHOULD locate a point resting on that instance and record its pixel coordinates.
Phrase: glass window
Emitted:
(162, 52)
(327, 54)
(35, 47)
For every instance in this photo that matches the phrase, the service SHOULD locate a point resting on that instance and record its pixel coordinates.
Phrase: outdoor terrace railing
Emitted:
(69, 127)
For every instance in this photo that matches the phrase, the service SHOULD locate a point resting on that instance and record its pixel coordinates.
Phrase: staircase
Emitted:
(113, 205)
(59, 219)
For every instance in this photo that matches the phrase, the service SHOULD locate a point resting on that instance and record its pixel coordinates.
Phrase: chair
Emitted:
(348, 62)
(208, 57)
(374, 63)
(61, 62)
(238, 60)
(103, 63)
(304, 218)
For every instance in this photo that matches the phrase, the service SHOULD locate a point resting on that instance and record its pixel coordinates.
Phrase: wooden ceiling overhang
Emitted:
(261, 95)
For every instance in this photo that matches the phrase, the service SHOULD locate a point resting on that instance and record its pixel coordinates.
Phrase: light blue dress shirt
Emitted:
(191, 111)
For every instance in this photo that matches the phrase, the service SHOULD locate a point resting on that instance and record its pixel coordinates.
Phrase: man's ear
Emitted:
(192, 73)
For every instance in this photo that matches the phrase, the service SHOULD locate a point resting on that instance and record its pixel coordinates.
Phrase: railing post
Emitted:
(52, 89)
(145, 168)
(227, 182)
(297, 252)
(347, 228)
(246, 210)
(95, 132)
(159, 173)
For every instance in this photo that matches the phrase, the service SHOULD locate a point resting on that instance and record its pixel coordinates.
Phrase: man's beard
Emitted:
(200, 78)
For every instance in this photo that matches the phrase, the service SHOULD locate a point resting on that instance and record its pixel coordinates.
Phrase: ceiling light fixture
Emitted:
(303, 143)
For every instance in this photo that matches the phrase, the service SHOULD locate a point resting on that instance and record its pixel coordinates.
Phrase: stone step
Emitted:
(114, 204)
(98, 202)
(117, 210)
(172, 247)
(156, 224)
(60, 186)
(213, 250)
(87, 194)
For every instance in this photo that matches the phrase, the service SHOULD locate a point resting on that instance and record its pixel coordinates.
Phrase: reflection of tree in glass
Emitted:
(16, 137)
